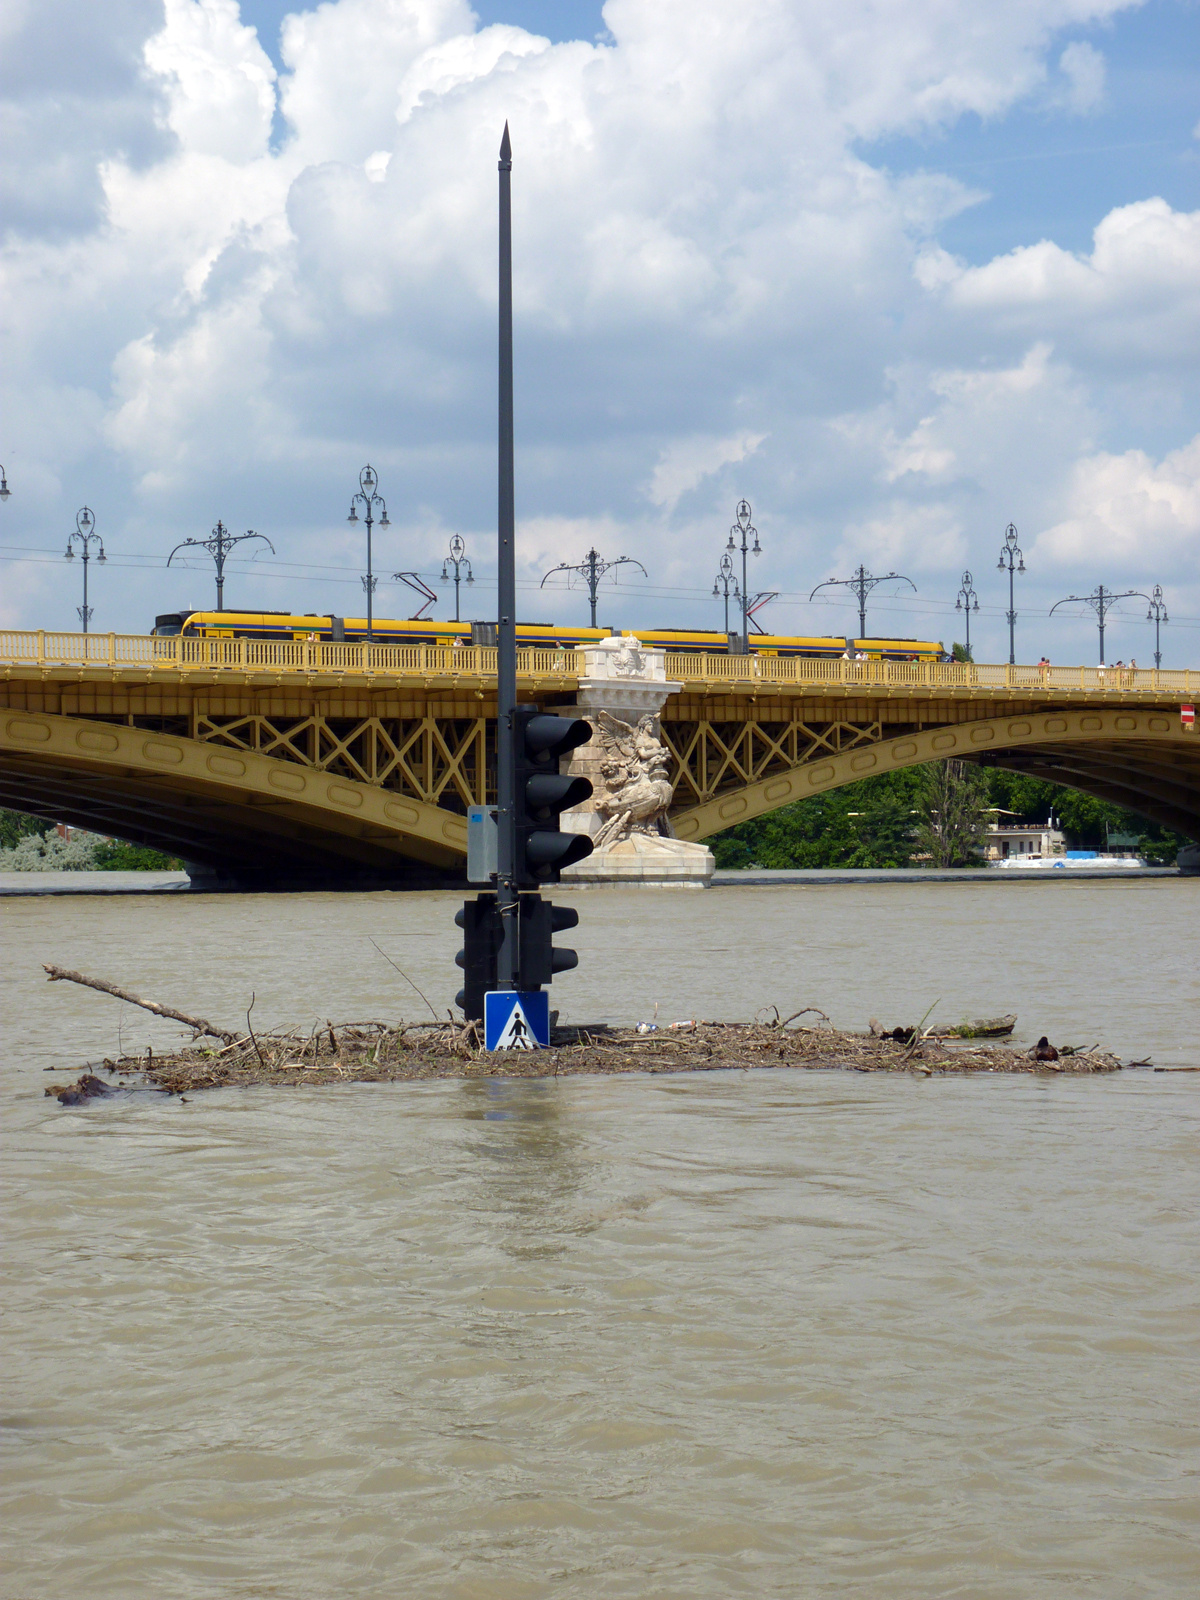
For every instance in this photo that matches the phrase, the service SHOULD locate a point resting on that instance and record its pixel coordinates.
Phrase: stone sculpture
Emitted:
(636, 793)
(629, 659)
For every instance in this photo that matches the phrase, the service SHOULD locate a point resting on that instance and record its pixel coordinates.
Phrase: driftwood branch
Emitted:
(250, 1030)
(198, 1024)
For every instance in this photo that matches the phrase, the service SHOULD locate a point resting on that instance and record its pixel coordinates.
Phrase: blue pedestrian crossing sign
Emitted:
(516, 1020)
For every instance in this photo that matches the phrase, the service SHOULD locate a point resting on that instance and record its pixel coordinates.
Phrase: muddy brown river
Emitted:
(766, 1334)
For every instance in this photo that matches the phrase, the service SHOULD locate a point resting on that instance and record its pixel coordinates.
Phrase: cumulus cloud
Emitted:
(1133, 512)
(716, 293)
(1137, 292)
(958, 453)
(219, 82)
(916, 536)
(1084, 72)
(462, 60)
(687, 462)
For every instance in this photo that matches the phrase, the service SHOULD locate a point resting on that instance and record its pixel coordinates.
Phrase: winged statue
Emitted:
(637, 791)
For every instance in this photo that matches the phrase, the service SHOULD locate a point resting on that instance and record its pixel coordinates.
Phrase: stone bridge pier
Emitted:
(623, 688)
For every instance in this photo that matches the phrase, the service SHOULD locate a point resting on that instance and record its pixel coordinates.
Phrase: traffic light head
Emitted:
(543, 792)
(538, 960)
(480, 921)
(540, 921)
(545, 737)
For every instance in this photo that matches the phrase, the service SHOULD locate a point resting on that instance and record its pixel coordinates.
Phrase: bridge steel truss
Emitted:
(261, 773)
(253, 779)
(738, 757)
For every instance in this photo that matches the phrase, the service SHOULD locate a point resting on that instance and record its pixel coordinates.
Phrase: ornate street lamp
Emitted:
(4, 489)
(1157, 614)
(1101, 601)
(458, 559)
(368, 483)
(1010, 553)
(591, 569)
(84, 531)
(218, 544)
(744, 530)
(726, 584)
(861, 585)
(967, 601)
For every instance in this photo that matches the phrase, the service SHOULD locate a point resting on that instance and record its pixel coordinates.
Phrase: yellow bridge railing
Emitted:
(757, 671)
(175, 653)
(41, 648)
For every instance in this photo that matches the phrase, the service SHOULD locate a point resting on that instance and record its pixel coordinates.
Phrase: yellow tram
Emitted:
(328, 628)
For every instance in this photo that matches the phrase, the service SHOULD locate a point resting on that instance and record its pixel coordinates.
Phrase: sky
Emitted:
(900, 274)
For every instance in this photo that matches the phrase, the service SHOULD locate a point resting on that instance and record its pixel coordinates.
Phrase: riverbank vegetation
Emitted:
(31, 844)
(931, 815)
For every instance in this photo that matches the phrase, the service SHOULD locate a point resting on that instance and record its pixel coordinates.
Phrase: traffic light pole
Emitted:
(508, 936)
(506, 635)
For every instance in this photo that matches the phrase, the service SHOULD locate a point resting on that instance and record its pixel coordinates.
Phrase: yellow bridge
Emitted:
(279, 759)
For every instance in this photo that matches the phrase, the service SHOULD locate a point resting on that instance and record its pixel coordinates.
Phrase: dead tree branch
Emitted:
(197, 1024)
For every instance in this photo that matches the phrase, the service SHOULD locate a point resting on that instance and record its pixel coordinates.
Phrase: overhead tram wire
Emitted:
(34, 555)
(310, 572)
(135, 560)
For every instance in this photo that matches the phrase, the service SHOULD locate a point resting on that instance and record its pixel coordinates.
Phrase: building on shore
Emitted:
(1005, 838)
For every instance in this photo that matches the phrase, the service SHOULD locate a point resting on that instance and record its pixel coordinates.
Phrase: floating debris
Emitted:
(86, 1087)
(382, 1052)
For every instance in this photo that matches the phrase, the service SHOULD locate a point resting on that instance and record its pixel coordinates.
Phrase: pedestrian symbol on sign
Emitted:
(515, 1034)
(516, 1021)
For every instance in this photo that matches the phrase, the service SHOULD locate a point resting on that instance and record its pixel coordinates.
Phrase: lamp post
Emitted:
(368, 483)
(744, 530)
(591, 569)
(1010, 552)
(967, 600)
(458, 559)
(218, 544)
(1157, 614)
(861, 585)
(4, 489)
(84, 531)
(1101, 601)
(726, 584)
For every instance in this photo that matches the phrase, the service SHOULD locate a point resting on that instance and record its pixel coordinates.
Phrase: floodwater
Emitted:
(770, 1333)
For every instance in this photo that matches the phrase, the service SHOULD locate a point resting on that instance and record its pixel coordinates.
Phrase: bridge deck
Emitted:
(142, 658)
(286, 755)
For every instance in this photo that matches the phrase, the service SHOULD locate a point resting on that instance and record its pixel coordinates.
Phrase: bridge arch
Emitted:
(1142, 759)
(228, 808)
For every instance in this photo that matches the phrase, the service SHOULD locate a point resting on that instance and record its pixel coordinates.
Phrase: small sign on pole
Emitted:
(516, 1020)
(482, 835)
(1187, 715)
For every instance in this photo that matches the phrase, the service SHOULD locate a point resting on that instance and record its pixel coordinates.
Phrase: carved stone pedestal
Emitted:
(643, 861)
(622, 690)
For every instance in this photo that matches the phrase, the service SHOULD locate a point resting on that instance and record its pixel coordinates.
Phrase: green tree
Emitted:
(18, 825)
(954, 800)
(866, 824)
(876, 822)
(1086, 821)
(115, 855)
(44, 851)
